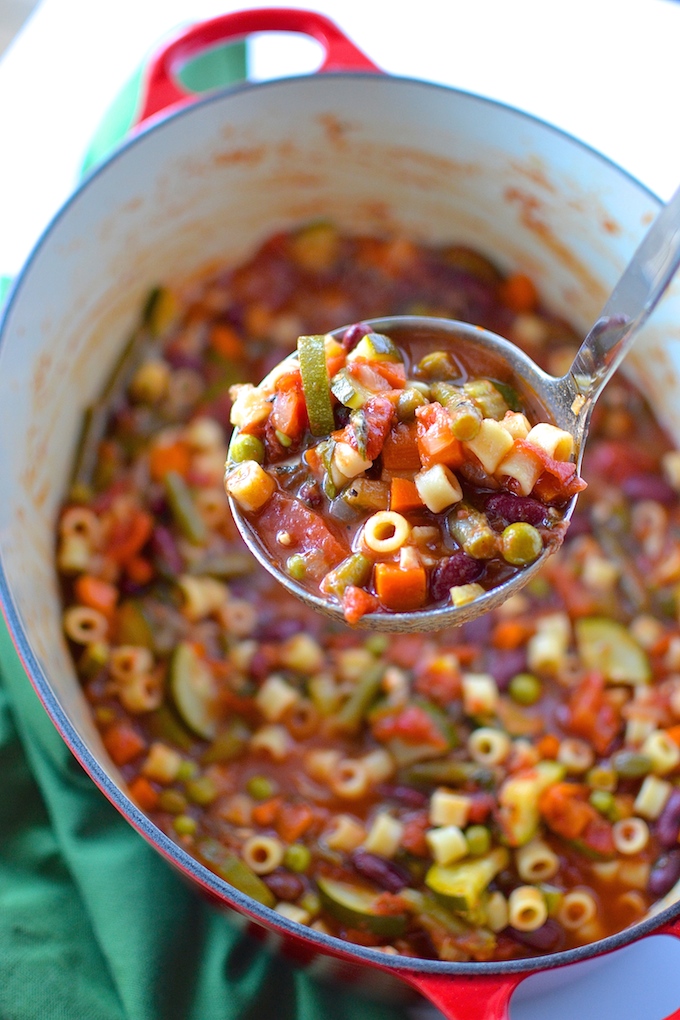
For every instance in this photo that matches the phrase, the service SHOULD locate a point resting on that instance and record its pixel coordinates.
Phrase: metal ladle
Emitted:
(567, 401)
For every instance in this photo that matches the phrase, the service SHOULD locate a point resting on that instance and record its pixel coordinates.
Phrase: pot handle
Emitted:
(468, 998)
(161, 88)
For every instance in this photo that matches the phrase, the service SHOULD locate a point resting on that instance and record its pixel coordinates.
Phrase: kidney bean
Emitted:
(518, 508)
(353, 334)
(668, 823)
(168, 558)
(503, 665)
(285, 885)
(454, 570)
(546, 939)
(405, 794)
(386, 874)
(664, 874)
(649, 486)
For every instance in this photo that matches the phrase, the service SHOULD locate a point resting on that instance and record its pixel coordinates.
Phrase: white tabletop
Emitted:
(604, 70)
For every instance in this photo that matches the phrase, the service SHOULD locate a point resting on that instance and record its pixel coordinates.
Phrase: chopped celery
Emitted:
(355, 570)
(352, 713)
(183, 508)
(473, 532)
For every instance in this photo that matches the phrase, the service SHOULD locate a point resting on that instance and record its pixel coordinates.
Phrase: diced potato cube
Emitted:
(652, 797)
(384, 836)
(480, 694)
(275, 740)
(250, 485)
(438, 488)
(463, 594)
(447, 844)
(547, 648)
(449, 808)
(250, 405)
(556, 442)
(302, 654)
(349, 461)
(275, 697)
(492, 443)
(162, 763)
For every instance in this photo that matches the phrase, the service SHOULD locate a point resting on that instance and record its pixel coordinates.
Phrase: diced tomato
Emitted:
(400, 449)
(413, 725)
(565, 809)
(481, 806)
(591, 715)
(439, 680)
(128, 536)
(378, 414)
(123, 743)
(289, 410)
(436, 442)
(559, 479)
(266, 812)
(293, 821)
(597, 835)
(97, 594)
(392, 372)
(413, 836)
(368, 377)
(357, 603)
(144, 794)
(308, 531)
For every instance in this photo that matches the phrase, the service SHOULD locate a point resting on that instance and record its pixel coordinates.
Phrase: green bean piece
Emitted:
(487, 397)
(93, 659)
(478, 839)
(246, 447)
(164, 725)
(316, 385)
(367, 494)
(261, 787)
(450, 772)
(352, 712)
(187, 770)
(233, 870)
(297, 857)
(410, 399)
(521, 544)
(631, 764)
(355, 570)
(226, 566)
(473, 532)
(525, 689)
(438, 365)
(183, 509)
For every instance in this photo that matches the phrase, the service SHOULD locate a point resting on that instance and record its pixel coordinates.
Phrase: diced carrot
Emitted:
(96, 594)
(592, 715)
(266, 812)
(511, 634)
(404, 495)
(548, 746)
(565, 810)
(413, 725)
(123, 743)
(225, 341)
(400, 449)
(143, 793)
(169, 457)
(518, 293)
(129, 536)
(436, 442)
(293, 821)
(139, 570)
(674, 733)
(400, 590)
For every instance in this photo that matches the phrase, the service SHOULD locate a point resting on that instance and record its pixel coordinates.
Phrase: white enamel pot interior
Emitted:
(206, 186)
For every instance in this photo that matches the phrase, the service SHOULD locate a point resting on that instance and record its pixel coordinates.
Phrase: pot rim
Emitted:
(173, 852)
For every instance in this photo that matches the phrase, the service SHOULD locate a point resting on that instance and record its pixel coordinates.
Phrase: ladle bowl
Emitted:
(566, 401)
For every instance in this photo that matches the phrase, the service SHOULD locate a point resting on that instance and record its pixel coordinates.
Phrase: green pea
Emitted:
(201, 791)
(601, 777)
(296, 567)
(297, 857)
(187, 770)
(521, 544)
(172, 801)
(478, 839)
(525, 689)
(246, 447)
(184, 825)
(603, 802)
(631, 764)
(377, 644)
(261, 787)
(553, 897)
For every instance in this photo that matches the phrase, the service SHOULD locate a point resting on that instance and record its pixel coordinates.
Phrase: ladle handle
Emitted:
(632, 301)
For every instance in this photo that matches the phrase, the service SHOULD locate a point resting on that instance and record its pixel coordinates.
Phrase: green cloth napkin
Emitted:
(94, 924)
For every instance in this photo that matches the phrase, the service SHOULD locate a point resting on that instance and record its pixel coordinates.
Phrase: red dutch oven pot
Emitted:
(463, 991)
